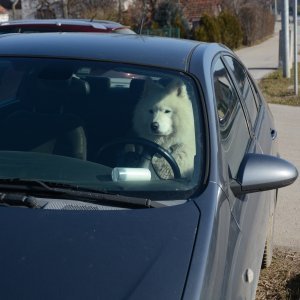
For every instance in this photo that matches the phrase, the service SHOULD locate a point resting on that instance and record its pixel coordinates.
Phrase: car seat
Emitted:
(47, 133)
(41, 125)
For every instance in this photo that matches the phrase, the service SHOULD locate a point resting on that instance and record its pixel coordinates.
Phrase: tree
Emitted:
(46, 10)
(93, 9)
(236, 5)
(90, 9)
(233, 5)
(15, 2)
(257, 22)
(170, 14)
(142, 13)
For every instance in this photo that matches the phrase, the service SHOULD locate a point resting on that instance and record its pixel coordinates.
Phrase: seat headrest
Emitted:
(137, 86)
(56, 71)
(98, 85)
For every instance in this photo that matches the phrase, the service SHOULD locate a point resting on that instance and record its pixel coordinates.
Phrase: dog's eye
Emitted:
(151, 111)
(167, 111)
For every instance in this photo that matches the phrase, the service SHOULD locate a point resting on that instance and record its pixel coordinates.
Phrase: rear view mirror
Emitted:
(259, 172)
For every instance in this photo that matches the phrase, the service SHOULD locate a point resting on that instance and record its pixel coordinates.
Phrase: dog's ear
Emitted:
(178, 87)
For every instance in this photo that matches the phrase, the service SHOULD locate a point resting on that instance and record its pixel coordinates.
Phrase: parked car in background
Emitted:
(133, 167)
(63, 25)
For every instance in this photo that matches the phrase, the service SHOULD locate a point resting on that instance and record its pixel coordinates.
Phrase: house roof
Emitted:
(2, 10)
(194, 9)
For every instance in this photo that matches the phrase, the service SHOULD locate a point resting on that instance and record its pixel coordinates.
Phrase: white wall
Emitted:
(4, 17)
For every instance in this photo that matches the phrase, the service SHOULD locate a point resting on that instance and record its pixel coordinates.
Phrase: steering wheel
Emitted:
(149, 150)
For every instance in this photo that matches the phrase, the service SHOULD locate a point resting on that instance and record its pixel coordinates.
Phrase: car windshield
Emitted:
(109, 126)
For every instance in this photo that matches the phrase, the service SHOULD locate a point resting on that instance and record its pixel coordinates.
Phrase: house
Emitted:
(6, 10)
(4, 16)
(193, 9)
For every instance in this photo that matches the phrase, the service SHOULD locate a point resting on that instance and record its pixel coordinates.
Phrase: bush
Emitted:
(208, 30)
(225, 29)
(253, 23)
(231, 31)
(257, 23)
(170, 14)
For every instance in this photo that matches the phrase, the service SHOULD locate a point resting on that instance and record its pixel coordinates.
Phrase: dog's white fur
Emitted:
(170, 108)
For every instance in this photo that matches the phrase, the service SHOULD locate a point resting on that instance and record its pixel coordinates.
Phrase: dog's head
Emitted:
(157, 111)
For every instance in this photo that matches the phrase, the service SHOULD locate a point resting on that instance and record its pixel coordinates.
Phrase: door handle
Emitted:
(273, 133)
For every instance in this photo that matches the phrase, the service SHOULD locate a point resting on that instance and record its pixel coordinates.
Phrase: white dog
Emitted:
(164, 115)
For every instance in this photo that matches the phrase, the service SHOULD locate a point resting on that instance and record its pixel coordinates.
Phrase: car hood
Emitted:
(127, 254)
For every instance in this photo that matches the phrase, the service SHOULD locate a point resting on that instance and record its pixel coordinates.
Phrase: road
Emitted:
(261, 60)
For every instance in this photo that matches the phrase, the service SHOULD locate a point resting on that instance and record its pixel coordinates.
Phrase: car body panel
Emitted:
(95, 255)
(215, 221)
(174, 53)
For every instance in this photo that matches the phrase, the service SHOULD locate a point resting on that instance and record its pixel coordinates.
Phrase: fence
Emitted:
(168, 32)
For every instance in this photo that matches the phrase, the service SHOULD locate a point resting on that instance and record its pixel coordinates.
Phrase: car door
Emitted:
(237, 124)
(262, 128)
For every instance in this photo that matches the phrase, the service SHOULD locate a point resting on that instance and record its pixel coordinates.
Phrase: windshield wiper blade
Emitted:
(88, 195)
(96, 196)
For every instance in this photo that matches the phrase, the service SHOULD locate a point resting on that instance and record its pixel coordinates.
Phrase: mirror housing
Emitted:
(260, 172)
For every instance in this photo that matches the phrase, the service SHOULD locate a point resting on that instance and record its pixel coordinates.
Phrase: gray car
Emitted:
(133, 167)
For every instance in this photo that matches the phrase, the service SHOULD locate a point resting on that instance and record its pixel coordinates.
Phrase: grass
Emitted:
(281, 281)
(279, 90)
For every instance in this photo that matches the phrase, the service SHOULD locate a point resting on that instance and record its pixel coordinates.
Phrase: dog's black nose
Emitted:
(154, 126)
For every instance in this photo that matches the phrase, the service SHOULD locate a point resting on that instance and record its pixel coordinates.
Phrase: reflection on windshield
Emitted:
(79, 109)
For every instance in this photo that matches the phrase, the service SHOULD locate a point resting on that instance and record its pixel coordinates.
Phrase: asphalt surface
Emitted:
(262, 59)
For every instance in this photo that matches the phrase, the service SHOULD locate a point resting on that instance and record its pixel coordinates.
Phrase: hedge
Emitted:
(225, 29)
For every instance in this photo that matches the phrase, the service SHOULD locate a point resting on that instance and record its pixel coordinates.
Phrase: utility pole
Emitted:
(285, 40)
(295, 49)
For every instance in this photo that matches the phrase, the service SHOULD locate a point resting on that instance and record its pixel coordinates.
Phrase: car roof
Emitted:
(99, 24)
(137, 49)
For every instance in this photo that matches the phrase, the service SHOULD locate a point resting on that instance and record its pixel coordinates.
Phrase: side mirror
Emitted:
(260, 172)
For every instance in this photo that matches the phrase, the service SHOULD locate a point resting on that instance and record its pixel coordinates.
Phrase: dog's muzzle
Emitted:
(155, 127)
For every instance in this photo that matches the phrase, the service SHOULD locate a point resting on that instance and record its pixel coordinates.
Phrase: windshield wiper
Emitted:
(87, 195)
(19, 200)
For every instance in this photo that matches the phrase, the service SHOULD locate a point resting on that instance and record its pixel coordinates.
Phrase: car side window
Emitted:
(255, 93)
(233, 127)
(245, 87)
